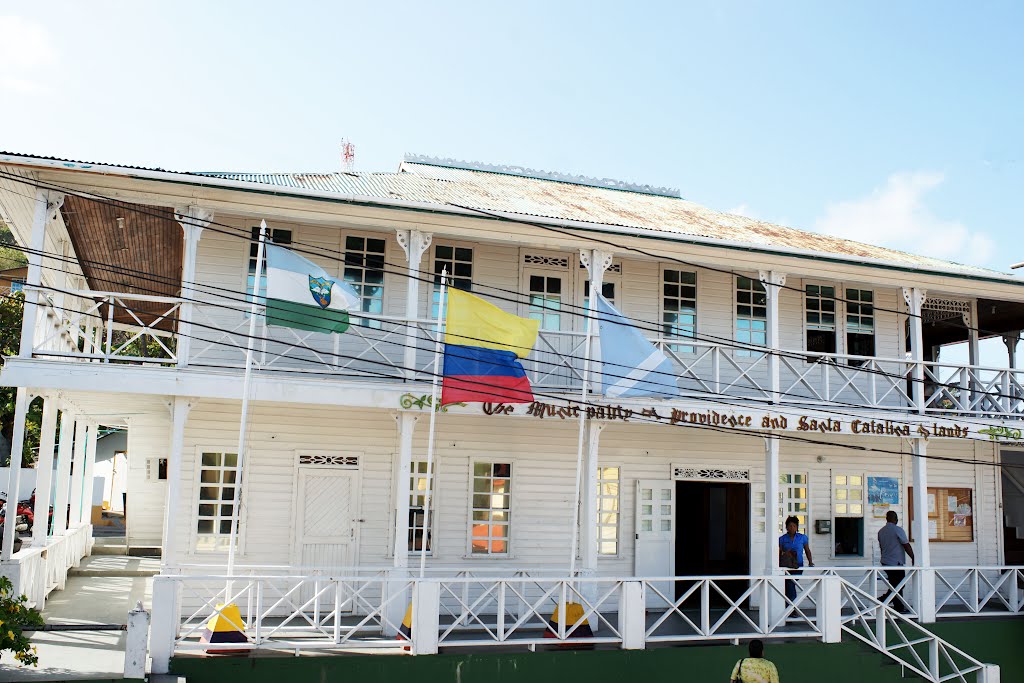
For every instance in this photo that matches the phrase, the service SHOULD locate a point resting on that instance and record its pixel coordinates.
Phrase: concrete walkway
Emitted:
(101, 591)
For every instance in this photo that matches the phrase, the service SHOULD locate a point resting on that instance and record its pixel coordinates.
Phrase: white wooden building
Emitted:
(808, 368)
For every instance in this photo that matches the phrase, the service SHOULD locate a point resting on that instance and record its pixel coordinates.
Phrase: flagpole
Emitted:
(440, 325)
(583, 419)
(253, 309)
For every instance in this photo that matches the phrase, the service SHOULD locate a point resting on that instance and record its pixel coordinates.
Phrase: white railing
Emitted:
(107, 327)
(874, 581)
(907, 642)
(355, 611)
(37, 571)
(979, 591)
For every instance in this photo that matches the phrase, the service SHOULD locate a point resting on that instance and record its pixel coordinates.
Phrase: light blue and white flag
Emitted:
(630, 365)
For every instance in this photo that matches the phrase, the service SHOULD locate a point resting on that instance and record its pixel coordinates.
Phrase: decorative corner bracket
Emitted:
(414, 243)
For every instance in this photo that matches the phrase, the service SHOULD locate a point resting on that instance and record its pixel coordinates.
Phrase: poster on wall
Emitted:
(883, 491)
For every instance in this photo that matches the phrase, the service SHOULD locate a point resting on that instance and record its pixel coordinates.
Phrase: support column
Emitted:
(588, 500)
(915, 298)
(88, 476)
(925, 586)
(46, 207)
(973, 351)
(172, 506)
(414, 243)
(192, 220)
(17, 449)
(1011, 340)
(771, 504)
(773, 282)
(44, 473)
(399, 574)
(77, 473)
(65, 454)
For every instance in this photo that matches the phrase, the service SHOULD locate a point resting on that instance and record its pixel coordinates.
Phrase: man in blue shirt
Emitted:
(792, 547)
(895, 546)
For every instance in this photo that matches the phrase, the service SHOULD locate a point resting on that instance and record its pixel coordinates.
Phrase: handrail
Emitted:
(875, 623)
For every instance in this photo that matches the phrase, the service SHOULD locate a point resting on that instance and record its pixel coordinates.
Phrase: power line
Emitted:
(672, 389)
(484, 386)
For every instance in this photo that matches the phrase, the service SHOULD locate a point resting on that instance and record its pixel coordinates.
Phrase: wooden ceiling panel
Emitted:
(143, 257)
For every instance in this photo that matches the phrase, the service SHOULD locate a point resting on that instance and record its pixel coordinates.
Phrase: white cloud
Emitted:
(896, 216)
(26, 50)
(741, 210)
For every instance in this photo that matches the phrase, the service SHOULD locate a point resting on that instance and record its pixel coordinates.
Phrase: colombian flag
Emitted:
(483, 345)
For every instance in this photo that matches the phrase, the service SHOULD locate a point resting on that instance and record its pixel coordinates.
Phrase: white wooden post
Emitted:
(989, 674)
(773, 283)
(14, 479)
(78, 473)
(974, 355)
(399, 598)
(88, 484)
(1011, 340)
(164, 629)
(414, 243)
(425, 617)
(44, 472)
(830, 609)
(925, 588)
(633, 616)
(65, 454)
(771, 505)
(47, 203)
(172, 506)
(192, 220)
(135, 643)
(588, 501)
(915, 299)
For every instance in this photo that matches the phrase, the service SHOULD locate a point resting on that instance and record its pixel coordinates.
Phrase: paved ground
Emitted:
(92, 595)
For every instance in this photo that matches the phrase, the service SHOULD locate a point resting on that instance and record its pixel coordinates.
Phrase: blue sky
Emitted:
(894, 123)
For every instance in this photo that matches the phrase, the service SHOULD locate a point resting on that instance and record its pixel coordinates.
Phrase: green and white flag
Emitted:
(302, 295)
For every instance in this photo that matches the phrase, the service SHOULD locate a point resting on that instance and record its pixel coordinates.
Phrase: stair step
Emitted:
(108, 549)
(79, 571)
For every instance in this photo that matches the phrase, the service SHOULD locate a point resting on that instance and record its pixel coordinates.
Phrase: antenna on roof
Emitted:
(348, 156)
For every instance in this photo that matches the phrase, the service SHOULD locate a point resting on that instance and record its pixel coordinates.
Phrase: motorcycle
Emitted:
(24, 514)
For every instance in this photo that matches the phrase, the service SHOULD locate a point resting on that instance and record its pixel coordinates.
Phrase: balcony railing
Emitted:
(106, 327)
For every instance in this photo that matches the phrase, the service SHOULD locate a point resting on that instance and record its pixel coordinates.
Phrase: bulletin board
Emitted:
(950, 514)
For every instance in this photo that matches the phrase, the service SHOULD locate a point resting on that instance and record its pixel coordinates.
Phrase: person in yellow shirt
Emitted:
(755, 668)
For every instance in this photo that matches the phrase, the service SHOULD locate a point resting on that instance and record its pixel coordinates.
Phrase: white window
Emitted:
(364, 270)
(218, 476)
(860, 323)
(608, 511)
(459, 263)
(419, 526)
(491, 508)
(848, 512)
(607, 291)
(679, 306)
(279, 237)
(751, 314)
(546, 301)
(793, 500)
(820, 318)
(156, 468)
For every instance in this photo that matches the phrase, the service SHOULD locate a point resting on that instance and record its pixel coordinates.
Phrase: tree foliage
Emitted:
(11, 308)
(15, 616)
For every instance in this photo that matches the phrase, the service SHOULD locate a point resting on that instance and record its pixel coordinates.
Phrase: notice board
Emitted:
(950, 514)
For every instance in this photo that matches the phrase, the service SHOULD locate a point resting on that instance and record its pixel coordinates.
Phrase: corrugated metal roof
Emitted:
(508, 193)
(542, 198)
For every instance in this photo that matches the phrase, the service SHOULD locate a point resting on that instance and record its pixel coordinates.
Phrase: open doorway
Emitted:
(713, 532)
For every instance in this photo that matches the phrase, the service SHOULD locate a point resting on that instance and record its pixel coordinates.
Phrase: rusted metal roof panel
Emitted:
(542, 198)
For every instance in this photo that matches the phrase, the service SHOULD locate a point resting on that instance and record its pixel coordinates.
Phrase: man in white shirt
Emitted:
(895, 546)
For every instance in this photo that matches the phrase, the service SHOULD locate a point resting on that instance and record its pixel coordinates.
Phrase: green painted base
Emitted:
(844, 663)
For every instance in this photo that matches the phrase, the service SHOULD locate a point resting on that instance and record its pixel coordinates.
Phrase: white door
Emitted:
(325, 523)
(655, 534)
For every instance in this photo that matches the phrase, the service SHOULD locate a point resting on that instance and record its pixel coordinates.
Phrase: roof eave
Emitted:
(208, 181)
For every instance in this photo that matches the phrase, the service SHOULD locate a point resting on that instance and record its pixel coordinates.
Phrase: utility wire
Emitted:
(483, 389)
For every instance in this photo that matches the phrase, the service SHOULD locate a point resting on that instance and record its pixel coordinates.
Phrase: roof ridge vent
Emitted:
(523, 172)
